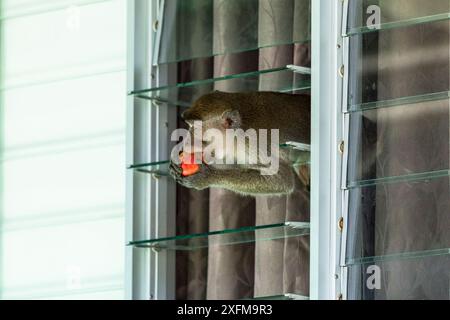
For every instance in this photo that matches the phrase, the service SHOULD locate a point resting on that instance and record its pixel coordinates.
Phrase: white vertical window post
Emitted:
(328, 72)
(150, 200)
(138, 223)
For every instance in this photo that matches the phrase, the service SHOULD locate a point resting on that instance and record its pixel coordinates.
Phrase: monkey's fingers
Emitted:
(175, 171)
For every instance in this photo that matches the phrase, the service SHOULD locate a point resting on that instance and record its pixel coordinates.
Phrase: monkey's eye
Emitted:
(228, 123)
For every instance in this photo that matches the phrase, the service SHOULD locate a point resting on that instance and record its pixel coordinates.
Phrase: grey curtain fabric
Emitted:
(269, 267)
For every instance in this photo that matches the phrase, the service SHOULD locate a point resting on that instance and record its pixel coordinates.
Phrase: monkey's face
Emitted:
(209, 136)
(203, 134)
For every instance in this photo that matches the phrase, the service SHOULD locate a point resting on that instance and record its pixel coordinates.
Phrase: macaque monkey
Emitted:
(285, 117)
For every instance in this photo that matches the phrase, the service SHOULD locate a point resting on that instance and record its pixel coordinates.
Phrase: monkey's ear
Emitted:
(231, 119)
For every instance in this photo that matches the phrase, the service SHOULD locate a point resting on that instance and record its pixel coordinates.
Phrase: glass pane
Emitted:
(394, 179)
(398, 220)
(227, 237)
(416, 57)
(188, 27)
(286, 296)
(398, 113)
(372, 15)
(399, 256)
(400, 143)
(298, 153)
(412, 278)
(158, 168)
(400, 101)
(184, 94)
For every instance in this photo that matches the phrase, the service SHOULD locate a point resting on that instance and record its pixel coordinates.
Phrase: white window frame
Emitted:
(328, 148)
(150, 203)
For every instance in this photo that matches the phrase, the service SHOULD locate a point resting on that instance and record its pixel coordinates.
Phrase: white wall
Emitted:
(63, 131)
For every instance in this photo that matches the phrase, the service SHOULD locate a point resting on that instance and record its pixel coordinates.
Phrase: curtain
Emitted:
(262, 268)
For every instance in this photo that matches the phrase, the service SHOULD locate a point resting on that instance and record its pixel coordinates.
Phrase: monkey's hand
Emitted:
(198, 180)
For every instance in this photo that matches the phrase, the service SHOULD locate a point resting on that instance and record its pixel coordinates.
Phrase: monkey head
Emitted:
(208, 120)
(224, 126)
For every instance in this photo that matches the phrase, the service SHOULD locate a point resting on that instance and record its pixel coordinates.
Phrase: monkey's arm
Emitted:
(253, 183)
(245, 181)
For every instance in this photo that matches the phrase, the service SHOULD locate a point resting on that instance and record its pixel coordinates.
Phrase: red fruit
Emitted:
(189, 167)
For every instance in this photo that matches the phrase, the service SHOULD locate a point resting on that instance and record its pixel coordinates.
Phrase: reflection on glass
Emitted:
(408, 142)
(399, 150)
(184, 94)
(286, 296)
(157, 168)
(372, 15)
(400, 101)
(227, 237)
(193, 28)
(299, 155)
(393, 67)
(417, 278)
(402, 220)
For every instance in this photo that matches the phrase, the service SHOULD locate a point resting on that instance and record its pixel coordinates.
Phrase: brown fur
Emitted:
(258, 110)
